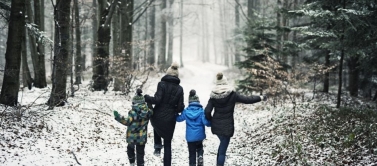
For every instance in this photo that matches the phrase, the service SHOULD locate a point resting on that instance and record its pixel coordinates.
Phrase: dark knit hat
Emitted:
(193, 97)
(138, 98)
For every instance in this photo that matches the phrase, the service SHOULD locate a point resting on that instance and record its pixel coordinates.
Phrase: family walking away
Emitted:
(223, 99)
(137, 122)
(169, 108)
(195, 128)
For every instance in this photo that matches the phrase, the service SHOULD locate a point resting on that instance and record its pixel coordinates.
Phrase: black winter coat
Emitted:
(168, 101)
(222, 122)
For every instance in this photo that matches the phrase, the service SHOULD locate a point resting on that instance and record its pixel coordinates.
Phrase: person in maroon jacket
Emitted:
(223, 99)
(168, 101)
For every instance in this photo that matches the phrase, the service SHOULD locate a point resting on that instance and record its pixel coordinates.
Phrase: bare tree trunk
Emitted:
(101, 62)
(40, 69)
(237, 21)
(152, 22)
(11, 81)
(62, 37)
(32, 42)
(340, 79)
(116, 51)
(279, 35)
(78, 58)
(326, 80)
(26, 77)
(181, 33)
(162, 53)
(171, 32)
(95, 18)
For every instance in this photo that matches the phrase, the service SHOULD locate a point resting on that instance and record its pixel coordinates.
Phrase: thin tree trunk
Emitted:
(71, 51)
(181, 33)
(62, 37)
(340, 79)
(95, 18)
(26, 77)
(237, 21)
(78, 58)
(116, 51)
(326, 80)
(11, 81)
(278, 33)
(40, 69)
(152, 22)
(162, 53)
(171, 32)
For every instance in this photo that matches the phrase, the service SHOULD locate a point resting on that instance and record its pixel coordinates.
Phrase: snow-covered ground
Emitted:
(86, 127)
(84, 130)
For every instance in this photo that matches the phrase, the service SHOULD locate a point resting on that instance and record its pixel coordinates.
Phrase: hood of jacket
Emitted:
(141, 110)
(194, 110)
(172, 79)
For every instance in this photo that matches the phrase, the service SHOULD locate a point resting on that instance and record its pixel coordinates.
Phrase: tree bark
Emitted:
(95, 31)
(181, 34)
(61, 48)
(26, 76)
(32, 40)
(171, 32)
(326, 80)
(162, 53)
(152, 22)
(101, 61)
(340, 79)
(237, 22)
(11, 81)
(78, 57)
(40, 69)
(116, 72)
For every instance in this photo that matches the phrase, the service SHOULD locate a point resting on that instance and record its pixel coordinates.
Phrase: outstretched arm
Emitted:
(181, 105)
(247, 99)
(125, 121)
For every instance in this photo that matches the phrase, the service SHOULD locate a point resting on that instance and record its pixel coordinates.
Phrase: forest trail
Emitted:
(198, 76)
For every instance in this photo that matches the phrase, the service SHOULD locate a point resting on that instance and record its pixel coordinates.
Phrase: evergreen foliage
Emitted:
(262, 69)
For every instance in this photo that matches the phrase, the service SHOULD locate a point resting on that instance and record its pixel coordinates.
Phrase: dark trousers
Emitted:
(195, 149)
(139, 154)
(221, 152)
(167, 147)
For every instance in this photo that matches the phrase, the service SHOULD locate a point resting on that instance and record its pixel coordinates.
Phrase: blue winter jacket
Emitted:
(195, 121)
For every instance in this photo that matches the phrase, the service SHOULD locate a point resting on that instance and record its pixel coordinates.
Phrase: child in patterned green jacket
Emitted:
(137, 122)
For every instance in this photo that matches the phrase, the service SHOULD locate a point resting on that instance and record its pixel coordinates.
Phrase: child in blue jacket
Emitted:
(195, 130)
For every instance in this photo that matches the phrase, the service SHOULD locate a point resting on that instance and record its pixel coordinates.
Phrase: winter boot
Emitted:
(157, 152)
(200, 160)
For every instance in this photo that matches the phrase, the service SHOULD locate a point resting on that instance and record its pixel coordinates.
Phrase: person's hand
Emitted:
(146, 96)
(264, 98)
(117, 116)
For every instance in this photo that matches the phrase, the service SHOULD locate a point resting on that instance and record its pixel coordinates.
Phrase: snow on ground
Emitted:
(85, 128)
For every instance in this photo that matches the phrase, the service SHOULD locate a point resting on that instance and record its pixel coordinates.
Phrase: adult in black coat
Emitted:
(223, 99)
(168, 101)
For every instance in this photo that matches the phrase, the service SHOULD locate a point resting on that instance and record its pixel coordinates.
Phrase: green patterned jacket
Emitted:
(137, 122)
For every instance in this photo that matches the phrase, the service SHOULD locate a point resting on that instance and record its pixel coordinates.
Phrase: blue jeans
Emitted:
(221, 152)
